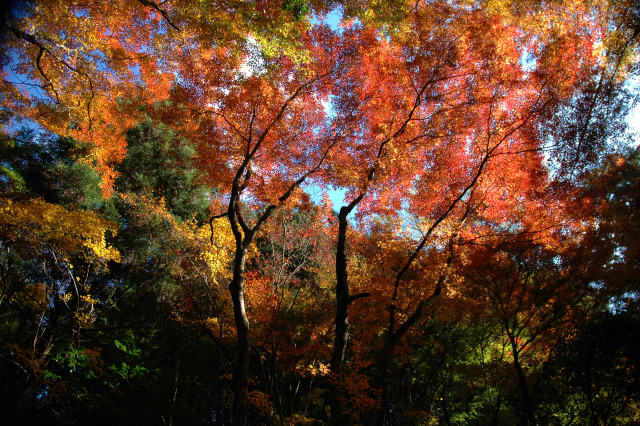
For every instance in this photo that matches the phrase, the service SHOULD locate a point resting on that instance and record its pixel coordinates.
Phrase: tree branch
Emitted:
(355, 297)
(163, 12)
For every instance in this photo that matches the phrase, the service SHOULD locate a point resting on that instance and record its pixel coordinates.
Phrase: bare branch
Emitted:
(163, 12)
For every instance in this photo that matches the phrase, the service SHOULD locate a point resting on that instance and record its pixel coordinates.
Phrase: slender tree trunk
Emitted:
(390, 343)
(522, 382)
(338, 417)
(306, 402)
(279, 397)
(241, 370)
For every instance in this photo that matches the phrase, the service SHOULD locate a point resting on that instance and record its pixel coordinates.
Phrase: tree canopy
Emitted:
(170, 253)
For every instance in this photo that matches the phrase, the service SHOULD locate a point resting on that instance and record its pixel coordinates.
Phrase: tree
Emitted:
(449, 135)
(533, 296)
(54, 255)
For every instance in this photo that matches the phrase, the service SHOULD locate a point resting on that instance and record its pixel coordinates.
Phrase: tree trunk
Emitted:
(241, 370)
(395, 335)
(522, 382)
(338, 417)
(390, 343)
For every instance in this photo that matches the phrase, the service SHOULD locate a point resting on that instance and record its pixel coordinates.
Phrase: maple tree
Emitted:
(469, 122)
(193, 130)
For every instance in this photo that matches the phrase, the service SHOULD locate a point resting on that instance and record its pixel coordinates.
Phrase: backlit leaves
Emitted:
(67, 232)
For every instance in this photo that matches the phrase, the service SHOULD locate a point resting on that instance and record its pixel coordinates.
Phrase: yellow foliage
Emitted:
(217, 256)
(88, 299)
(68, 232)
(297, 420)
(84, 319)
(312, 370)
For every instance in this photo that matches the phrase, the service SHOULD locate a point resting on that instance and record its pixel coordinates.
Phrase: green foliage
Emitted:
(70, 358)
(81, 387)
(618, 184)
(161, 164)
(128, 371)
(58, 169)
(298, 8)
